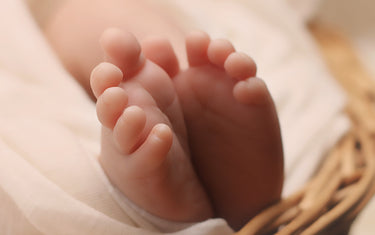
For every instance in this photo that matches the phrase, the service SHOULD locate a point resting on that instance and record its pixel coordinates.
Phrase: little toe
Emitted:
(160, 51)
(152, 153)
(240, 66)
(128, 129)
(122, 49)
(103, 76)
(218, 51)
(110, 106)
(252, 91)
(196, 48)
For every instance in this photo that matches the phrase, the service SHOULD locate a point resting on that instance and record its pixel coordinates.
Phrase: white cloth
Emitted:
(50, 181)
(355, 19)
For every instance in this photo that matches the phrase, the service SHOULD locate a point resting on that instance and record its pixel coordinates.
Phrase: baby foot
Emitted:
(144, 144)
(233, 129)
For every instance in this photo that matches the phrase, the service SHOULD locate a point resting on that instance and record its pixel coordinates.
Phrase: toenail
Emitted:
(161, 131)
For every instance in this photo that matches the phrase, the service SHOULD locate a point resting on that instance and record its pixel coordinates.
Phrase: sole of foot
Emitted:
(232, 125)
(144, 142)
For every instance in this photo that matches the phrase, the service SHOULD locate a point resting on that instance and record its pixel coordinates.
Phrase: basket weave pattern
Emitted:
(345, 182)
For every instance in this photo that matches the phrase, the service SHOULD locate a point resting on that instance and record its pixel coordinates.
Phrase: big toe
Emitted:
(122, 49)
(196, 48)
(160, 51)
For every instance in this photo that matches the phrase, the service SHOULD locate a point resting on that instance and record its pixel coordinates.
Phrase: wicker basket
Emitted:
(345, 182)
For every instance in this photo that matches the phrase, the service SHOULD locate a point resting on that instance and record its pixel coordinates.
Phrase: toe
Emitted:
(110, 106)
(240, 66)
(104, 76)
(160, 51)
(152, 153)
(128, 129)
(196, 48)
(252, 91)
(218, 51)
(122, 49)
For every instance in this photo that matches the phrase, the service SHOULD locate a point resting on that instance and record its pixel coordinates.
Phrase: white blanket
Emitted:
(50, 181)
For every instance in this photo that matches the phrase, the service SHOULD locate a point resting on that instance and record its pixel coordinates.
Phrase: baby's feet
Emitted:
(233, 129)
(144, 142)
